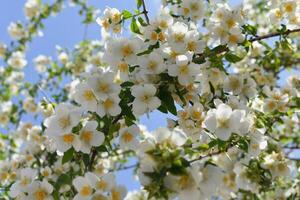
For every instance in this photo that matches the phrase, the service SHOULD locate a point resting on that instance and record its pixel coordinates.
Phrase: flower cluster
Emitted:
(234, 124)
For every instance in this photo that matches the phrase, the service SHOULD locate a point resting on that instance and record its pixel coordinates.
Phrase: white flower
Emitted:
(193, 42)
(276, 100)
(63, 57)
(194, 9)
(176, 36)
(275, 16)
(185, 185)
(151, 35)
(41, 63)
(17, 60)
(277, 164)
(184, 69)
(109, 106)
(118, 49)
(16, 31)
(233, 83)
(103, 85)
(289, 7)
(32, 8)
(127, 137)
(258, 142)
(145, 99)
(40, 190)
(242, 180)
(223, 121)
(118, 193)
(64, 141)
(163, 20)
(138, 195)
(153, 63)
(84, 188)
(176, 137)
(96, 59)
(29, 105)
(234, 37)
(90, 137)
(104, 183)
(111, 20)
(26, 176)
(64, 119)
(46, 172)
(84, 95)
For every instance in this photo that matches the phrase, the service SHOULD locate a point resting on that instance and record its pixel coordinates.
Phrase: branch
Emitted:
(124, 168)
(94, 151)
(145, 12)
(274, 35)
(211, 154)
(224, 48)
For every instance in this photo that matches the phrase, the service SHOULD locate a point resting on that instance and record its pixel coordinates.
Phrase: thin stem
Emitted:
(145, 12)
(125, 167)
(223, 48)
(85, 31)
(274, 35)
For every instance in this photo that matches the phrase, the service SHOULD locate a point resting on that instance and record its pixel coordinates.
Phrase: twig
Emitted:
(274, 35)
(94, 151)
(85, 31)
(124, 168)
(145, 12)
(211, 154)
(224, 48)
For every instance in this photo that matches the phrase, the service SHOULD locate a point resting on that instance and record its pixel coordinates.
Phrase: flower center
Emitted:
(154, 36)
(191, 46)
(179, 37)
(152, 65)
(64, 122)
(85, 191)
(40, 194)
(68, 138)
(233, 39)
(127, 137)
(88, 95)
(230, 23)
(184, 182)
(127, 50)
(108, 103)
(87, 136)
(223, 123)
(234, 83)
(123, 67)
(101, 185)
(183, 69)
(289, 8)
(103, 87)
(115, 195)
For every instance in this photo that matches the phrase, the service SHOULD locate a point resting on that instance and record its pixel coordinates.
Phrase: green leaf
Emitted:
(139, 3)
(68, 155)
(142, 22)
(232, 58)
(134, 27)
(63, 179)
(249, 29)
(162, 109)
(167, 100)
(126, 14)
(86, 159)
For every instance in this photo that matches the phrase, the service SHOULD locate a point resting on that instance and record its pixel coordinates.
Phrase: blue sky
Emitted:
(66, 30)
